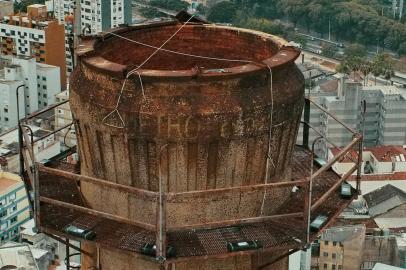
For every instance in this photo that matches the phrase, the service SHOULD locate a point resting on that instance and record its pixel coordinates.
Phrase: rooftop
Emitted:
(387, 152)
(381, 266)
(17, 255)
(329, 86)
(384, 199)
(343, 233)
(7, 180)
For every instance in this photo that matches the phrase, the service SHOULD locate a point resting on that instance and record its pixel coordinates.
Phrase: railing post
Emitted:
(306, 120)
(161, 229)
(306, 189)
(37, 213)
(360, 149)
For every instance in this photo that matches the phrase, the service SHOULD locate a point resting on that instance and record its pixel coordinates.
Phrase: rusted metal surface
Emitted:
(190, 123)
(278, 234)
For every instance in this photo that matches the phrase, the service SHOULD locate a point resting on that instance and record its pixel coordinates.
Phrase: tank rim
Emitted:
(88, 54)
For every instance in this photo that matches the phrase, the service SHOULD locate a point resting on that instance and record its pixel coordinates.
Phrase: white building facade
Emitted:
(385, 116)
(40, 83)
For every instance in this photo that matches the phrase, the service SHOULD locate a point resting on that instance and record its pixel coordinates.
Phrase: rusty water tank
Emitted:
(205, 121)
(187, 116)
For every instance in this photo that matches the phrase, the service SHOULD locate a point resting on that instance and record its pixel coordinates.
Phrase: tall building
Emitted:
(41, 84)
(102, 15)
(35, 35)
(341, 248)
(14, 206)
(63, 12)
(385, 117)
(6, 8)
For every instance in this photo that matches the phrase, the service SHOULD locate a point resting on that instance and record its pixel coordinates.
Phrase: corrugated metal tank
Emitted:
(193, 122)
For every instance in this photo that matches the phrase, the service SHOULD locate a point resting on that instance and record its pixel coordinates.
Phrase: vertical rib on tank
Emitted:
(195, 123)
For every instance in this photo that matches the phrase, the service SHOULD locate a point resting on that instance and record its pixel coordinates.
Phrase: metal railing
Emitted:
(165, 202)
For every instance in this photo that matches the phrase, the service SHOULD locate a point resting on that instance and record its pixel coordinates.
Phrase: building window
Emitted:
(3, 226)
(14, 208)
(13, 220)
(333, 255)
(334, 243)
(44, 95)
(14, 232)
(4, 237)
(5, 110)
(3, 213)
(325, 254)
(44, 87)
(6, 119)
(12, 197)
(340, 267)
(333, 267)
(325, 266)
(2, 202)
(45, 104)
(326, 243)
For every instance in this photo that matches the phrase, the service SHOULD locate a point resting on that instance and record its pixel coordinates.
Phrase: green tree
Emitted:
(202, 9)
(382, 65)
(402, 49)
(355, 50)
(329, 50)
(170, 4)
(222, 12)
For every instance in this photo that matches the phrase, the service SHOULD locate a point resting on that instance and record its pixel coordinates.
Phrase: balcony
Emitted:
(153, 215)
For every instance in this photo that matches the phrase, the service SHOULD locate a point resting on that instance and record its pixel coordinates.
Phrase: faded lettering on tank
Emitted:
(192, 127)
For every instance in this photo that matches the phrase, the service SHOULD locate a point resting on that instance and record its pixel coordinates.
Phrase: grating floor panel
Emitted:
(279, 234)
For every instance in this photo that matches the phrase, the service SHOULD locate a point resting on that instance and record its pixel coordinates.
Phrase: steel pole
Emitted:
(311, 190)
(20, 132)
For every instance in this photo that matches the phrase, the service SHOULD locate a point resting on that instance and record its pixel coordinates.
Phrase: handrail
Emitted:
(325, 196)
(197, 193)
(35, 114)
(231, 222)
(93, 180)
(332, 116)
(53, 132)
(338, 156)
(325, 137)
(90, 211)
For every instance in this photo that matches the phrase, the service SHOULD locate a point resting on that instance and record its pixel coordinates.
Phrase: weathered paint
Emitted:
(193, 128)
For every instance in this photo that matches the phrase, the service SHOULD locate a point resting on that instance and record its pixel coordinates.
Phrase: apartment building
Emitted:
(6, 8)
(341, 248)
(40, 83)
(101, 15)
(385, 117)
(45, 146)
(14, 206)
(64, 12)
(34, 34)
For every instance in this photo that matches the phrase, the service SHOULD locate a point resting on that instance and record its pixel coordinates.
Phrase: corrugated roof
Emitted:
(383, 199)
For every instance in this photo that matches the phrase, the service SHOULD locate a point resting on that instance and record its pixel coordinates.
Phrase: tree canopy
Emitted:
(222, 12)
(359, 21)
